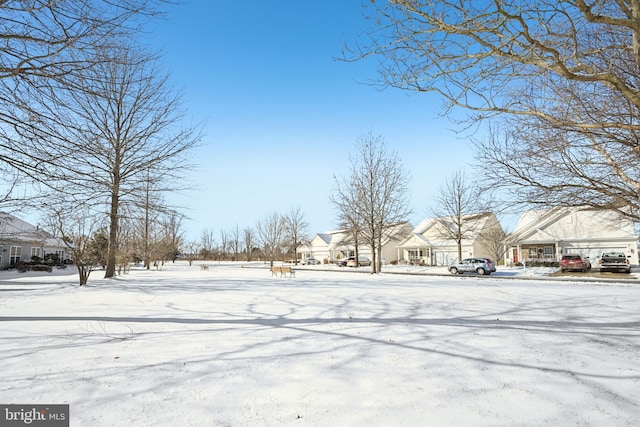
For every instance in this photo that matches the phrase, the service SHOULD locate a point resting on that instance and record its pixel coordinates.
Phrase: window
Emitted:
(415, 254)
(548, 251)
(533, 252)
(14, 254)
(36, 252)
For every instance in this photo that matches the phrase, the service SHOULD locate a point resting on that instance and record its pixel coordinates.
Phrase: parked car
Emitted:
(362, 261)
(574, 262)
(480, 266)
(342, 262)
(614, 261)
(310, 261)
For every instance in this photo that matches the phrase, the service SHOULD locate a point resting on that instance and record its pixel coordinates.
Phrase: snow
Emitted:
(234, 346)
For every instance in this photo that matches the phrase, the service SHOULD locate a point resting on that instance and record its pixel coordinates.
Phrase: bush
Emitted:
(542, 263)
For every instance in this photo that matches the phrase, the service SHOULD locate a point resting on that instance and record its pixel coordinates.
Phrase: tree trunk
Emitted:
(83, 273)
(110, 270)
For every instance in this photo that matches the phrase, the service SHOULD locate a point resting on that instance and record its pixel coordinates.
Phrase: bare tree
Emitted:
(270, 234)
(56, 39)
(46, 47)
(234, 241)
(459, 208)
(124, 130)
(249, 241)
(224, 244)
(190, 251)
(494, 241)
(296, 229)
(558, 79)
(151, 233)
(77, 226)
(171, 223)
(207, 243)
(148, 205)
(377, 191)
(349, 219)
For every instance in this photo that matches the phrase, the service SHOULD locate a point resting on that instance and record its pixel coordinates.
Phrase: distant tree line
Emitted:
(275, 237)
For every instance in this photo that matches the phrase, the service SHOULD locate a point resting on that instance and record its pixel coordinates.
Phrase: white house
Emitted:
(335, 245)
(429, 243)
(550, 233)
(21, 241)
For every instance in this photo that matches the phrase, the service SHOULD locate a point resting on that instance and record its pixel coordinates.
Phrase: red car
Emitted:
(575, 263)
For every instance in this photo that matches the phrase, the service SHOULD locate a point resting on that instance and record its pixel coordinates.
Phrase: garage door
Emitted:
(593, 253)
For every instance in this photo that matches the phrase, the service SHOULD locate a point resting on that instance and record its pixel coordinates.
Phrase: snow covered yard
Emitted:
(234, 346)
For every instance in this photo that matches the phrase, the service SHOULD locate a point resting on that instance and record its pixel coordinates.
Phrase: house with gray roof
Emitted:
(21, 242)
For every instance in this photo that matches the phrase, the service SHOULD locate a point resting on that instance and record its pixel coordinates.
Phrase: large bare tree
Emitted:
(45, 47)
(122, 131)
(558, 78)
(376, 189)
(54, 39)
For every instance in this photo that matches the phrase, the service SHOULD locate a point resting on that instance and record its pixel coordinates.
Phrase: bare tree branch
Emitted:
(375, 194)
(560, 81)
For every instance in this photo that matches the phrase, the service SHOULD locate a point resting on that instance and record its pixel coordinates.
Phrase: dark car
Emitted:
(574, 262)
(480, 266)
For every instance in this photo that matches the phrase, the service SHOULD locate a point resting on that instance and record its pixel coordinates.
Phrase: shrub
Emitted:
(542, 263)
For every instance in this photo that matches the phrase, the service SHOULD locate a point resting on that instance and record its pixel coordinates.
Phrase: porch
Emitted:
(535, 253)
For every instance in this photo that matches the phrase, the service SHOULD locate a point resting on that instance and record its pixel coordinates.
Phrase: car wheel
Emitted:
(453, 270)
(481, 271)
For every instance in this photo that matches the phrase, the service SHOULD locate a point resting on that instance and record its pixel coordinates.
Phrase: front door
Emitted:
(515, 255)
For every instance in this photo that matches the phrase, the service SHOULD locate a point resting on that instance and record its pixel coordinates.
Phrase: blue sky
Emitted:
(281, 114)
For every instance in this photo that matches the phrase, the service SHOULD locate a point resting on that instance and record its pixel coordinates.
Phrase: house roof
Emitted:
(16, 230)
(341, 239)
(325, 237)
(426, 232)
(571, 223)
